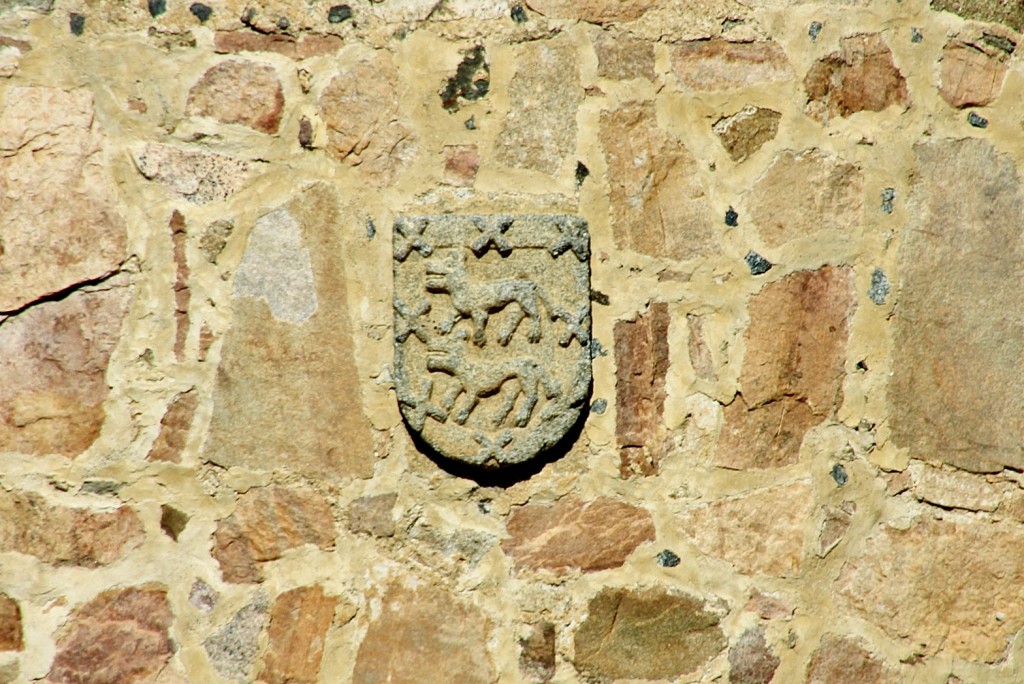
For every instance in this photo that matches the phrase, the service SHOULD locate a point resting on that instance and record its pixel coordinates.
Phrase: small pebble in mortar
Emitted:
(518, 14)
(596, 348)
(599, 406)
(888, 195)
(371, 229)
(283, 23)
(581, 173)
(200, 11)
(915, 35)
(77, 23)
(471, 123)
(667, 559)
(156, 7)
(813, 30)
(732, 219)
(977, 121)
(879, 286)
(839, 474)
(758, 264)
(599, 297)
(339, 13)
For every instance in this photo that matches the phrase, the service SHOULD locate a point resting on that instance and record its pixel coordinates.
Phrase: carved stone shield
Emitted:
(492, 332)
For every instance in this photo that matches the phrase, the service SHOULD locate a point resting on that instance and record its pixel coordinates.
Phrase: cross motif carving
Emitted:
(410, 237)
(493, 235)
(408, 321)
(574, 237)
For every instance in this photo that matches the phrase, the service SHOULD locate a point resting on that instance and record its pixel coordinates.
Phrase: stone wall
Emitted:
(803, 452)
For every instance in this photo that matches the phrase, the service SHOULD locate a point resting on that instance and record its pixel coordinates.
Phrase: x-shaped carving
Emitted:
(410, 237)
(408, 320)
(493, 235)
(420, 406)
(573, 237)
(575, 325)
(492, 448)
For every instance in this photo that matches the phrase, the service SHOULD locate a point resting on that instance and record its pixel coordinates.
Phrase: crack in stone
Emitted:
(61, 294)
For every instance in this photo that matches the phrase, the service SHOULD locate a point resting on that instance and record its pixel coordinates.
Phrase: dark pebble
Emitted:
(518, 14)
(306, 133)
(283, 23)
(596, 348)
(371, 228)
(599, 297)
(813, 30)
(879, 287)
(599, 406)
(157, 7)
(732, 219)
(667, 559)
(581, 173)
(471, 123)
(77, 23)
(339, 13)
(839, 474)
(977, 121)
(888, 195)
(916, 36)
(757, 263)
(200, 11)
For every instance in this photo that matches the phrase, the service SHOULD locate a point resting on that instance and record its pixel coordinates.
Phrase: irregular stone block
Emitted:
(759, 533)
(594, 11)
(766, 437)
(267, 522)
(834, 527)
(646, 634)
(405, 642)
(641, 354)
(751, 660)
(199, 177)
(460, 165)
(958, 338)
(953, 489)
(745, 132)
(119, 636)
(720, 65)
(373, 515)
(972, 73)
(844, 660)
(11, 636)
(306, 46)
(298, 630)
(658, 205)
(239, 92)
(537, 654)
(859, 77)
(596, 535)
(232, 649)
(1009, 13)
(174, 428)
(540, 127)
(286, 362)
(951, 584)
(802, 193)
(63, 535)
(622, 57)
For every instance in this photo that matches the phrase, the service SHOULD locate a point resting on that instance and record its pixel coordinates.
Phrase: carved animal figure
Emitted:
(477, 301)
(512, 378)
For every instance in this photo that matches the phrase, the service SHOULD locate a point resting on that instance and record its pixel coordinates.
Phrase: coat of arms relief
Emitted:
(492, 332)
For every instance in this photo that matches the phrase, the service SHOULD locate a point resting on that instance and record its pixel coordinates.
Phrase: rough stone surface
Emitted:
(373, 515)
(596, 535)
(280, 374)
(919, 585)
(197, 176)
(202, 596)
(595, 11)
(720, 65)
(834, 527)
(621, 57)
(460, 165)
(232, 649)
(843, 660)
(540, 128)
(793, 371)
(405, 641)
(959, 334)
(641, 353)
(658, 205)
(11, 631)
(751, 660)
(360, 109)
(537, 653)
(802, 193)
(65, 536)
(59, 225)
(174, 428)
(701, 359)
(953, 489)
(298, 630)
(119, 636)
(239, 92)
(266, 523)
(53, 358)
(1009, 13)
(304, 47)
(859, 77)
(972, 73)
(646, 634)
(745, 132)
(767, 606)
(738, 531)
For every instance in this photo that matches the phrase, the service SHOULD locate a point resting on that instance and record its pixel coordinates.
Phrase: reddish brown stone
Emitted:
(860, 76)
(65, 536)
(425, 635)
(11, 638)
(720, 65)
(119, 636)
(373, 514)
(591, 536)
(238, 91)
(972, 74)
(833, 528)
(298, 628)
(844, 660)
(267, 522)
(181, 291)
(174, 428)
(621, 57)
(766, 437)
(460, 165)
(767, 606)
(697, 345)
(658, 205)
(751, 660)
(641, 353)
(745, 132)
(308, 45)
(537, 654)
(594, 11)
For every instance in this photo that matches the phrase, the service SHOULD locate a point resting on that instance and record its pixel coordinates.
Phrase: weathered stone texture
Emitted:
(802, 193)
(596, 535)
(174, 428)
(119, 636)
(646, 634)
(289, 343)
(66, 536)
(953, 489)
(537, 654)
(793, 371)
(239, 92)
(198, 176)
(641, 353)
(844, 660)
(621, 57)
(720, 65)
(595, 11)
(958, 338)
(303, 47)
(407, 642)
(860, 76)
(298, 630)
(972, 73)
(738, 530)
(701, 359)
(658, 205)
(751, 660)
(951, 584)
(460, 165)
(232, 649)
(1009, 13)
(834, 527)
(266, 523)
(373, 514)
(540, 128)
(11, 631)
(745, 132)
